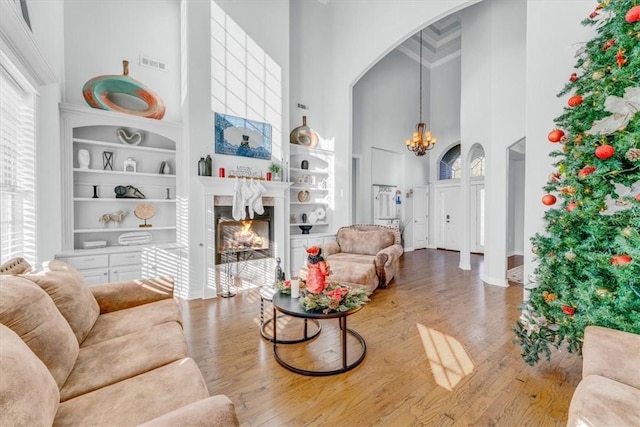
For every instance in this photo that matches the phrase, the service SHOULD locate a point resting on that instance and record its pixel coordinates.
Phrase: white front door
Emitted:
(420, 213)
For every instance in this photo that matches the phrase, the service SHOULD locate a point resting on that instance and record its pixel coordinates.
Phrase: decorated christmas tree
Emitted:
(588, 259)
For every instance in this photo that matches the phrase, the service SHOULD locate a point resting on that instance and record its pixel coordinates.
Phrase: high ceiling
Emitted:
(441, 41)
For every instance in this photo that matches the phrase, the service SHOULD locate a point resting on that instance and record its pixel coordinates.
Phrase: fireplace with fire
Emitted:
(243, 240)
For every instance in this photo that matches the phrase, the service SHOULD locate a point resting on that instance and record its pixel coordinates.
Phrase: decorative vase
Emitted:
(304, 135)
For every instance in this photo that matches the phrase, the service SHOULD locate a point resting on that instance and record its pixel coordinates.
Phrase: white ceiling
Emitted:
(441, 41)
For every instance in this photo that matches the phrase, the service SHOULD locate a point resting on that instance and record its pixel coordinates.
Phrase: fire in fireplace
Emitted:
(245, 235)
(245, 239)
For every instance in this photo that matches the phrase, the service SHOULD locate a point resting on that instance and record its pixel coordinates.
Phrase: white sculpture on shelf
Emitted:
(84, 158)
(116, 217)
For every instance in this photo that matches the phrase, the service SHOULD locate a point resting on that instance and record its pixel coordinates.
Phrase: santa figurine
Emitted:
(318, 270)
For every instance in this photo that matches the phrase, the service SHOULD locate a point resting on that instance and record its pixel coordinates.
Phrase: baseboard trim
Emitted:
(495, 281)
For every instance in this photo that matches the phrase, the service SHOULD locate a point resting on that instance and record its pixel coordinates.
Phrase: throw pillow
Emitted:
(66, 286)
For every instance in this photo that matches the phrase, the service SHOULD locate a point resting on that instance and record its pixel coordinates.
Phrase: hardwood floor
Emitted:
(439, 353)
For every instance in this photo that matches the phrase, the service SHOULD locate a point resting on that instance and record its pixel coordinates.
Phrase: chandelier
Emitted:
(422, 139)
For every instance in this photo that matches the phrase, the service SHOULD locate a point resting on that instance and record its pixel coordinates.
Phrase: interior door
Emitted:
(420, 214)
(449, 218)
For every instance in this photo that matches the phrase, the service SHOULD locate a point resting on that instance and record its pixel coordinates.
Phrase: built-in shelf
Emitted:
(311, 190)
(123, 229)
(109, 172)
(123, 146)
(296, 224)
(113, 199)
(310, 203)
(307, 171)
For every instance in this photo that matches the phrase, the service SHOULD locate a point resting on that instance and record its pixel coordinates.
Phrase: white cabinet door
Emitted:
(95, 277)
(124, 273)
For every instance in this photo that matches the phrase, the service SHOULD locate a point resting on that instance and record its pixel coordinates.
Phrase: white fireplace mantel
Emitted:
(206, 189)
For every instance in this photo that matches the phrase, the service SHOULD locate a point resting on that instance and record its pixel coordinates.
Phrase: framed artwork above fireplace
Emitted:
(236, 136)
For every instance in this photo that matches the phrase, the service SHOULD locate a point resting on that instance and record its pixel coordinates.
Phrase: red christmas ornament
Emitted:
(556, 135)
(604, 152)
(633, 15)
(573, 77)
(621, 259)
(608, 44)
(638, 197)
(549, 199)
(569, 311)
(593, 14)
(554, 177)
(620, 59)
(574, 101)
(585, 171)
(571, 206)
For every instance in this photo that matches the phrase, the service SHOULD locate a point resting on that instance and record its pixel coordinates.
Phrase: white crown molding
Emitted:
(18, 43)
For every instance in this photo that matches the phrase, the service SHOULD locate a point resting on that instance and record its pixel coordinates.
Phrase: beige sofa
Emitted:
(609, 393)
(112, 354)
(363, 255)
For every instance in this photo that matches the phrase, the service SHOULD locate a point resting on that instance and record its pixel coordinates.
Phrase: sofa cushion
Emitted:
(66, 286)
(120, 358)
(364, 242)
(349, 257)
(30, 313)
(28, 393)
(137, 399)
(600, 401)
(124, 322)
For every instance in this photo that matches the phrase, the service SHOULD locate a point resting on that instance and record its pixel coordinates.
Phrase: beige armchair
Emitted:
(609, 393)
(367, 244)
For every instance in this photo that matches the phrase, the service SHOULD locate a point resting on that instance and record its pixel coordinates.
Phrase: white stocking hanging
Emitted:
(237, 207)
(257, 203)
(247, 194)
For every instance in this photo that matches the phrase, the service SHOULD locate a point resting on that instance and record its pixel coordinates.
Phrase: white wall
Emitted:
(385, 113)
(515, 203)
(553, 34)
(98, 35)
(358, 36)
(266, 23)
(492, 114)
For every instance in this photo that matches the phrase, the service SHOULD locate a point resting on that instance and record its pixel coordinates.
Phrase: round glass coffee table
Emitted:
(292, 307)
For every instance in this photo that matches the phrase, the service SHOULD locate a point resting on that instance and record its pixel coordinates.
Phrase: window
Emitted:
(451, 163)
(17, 166)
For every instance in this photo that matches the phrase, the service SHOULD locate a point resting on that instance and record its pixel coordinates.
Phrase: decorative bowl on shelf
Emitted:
(305, 228)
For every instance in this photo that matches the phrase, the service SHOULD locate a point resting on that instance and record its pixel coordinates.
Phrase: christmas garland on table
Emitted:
(335, 297)
(317, 293)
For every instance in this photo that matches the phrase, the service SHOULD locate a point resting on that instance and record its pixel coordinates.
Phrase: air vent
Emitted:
(145, 61)
(302, 106)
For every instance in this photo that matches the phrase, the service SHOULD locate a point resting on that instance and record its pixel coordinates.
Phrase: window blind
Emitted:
(17, 168)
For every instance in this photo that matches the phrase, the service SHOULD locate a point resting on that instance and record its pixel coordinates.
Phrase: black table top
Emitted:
(291, 306)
